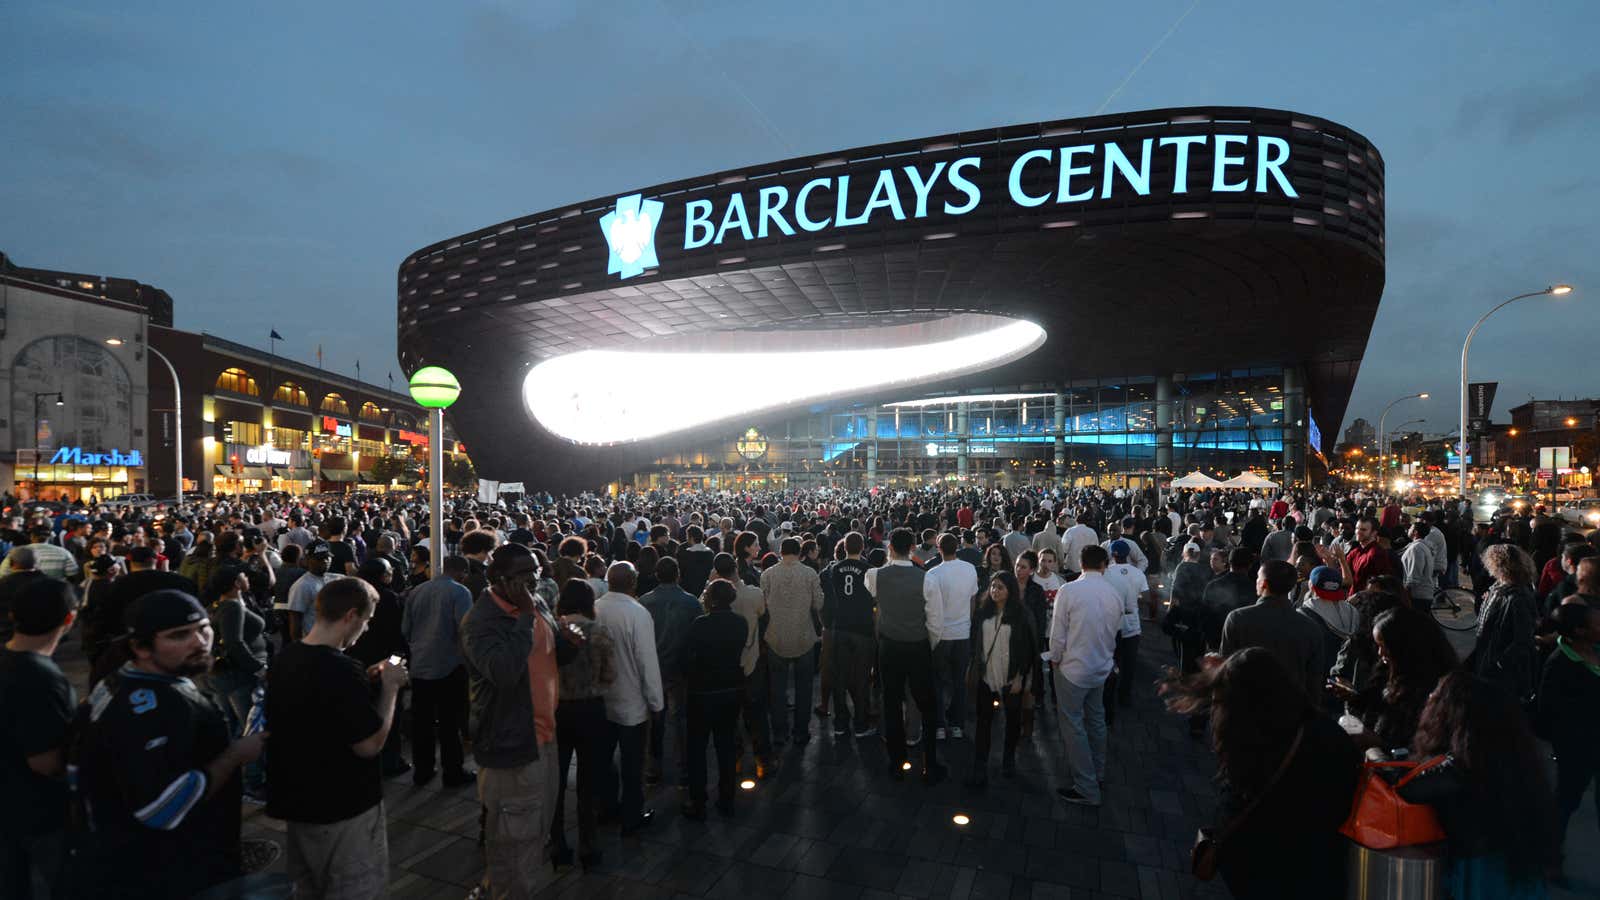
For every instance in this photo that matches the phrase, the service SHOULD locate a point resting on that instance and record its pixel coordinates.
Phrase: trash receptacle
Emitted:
(1403, 873)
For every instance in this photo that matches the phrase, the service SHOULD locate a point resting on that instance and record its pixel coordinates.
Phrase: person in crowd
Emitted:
(694, 561)
(1289, 775)
(1278, 543)
(712, 664)
(328, 734)
(1005, 650)
(430, 626)
(1417, 564)
(793, 595)
(158, 772)
(1273, 622)
(1077, 536)
(110, 615)
(476, 546)
(49, 559)
(1487, 783)
(23, 573)
(383, 640)
(849, 615)
(240, 645)
(907, 632)
(1227, 591)
(1038, 606)
(1132, 586)
(1370, 556)
(1569, 695)
(513, 646)
(581, 727)
(200, 561)
(631, 698)
(1415, 655)
(672, 609)
(1082, 646)
(950, 590)
(284, 577)
(1504, 651)
(303, 594)
(36, 711)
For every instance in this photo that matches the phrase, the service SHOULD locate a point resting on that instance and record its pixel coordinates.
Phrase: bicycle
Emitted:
(1455, 608)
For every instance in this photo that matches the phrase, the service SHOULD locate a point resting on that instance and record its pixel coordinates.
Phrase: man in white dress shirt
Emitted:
(949, 589)
(632, 696)
(1083, 647)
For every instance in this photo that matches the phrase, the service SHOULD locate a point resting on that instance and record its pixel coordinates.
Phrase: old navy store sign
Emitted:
(77, 456)
(1240, 164)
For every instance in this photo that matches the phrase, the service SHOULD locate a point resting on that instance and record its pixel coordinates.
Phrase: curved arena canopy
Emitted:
(592, 338)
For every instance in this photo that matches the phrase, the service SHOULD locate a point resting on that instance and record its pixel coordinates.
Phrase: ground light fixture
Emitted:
(747, 785)
(961, 819)
(905, 767)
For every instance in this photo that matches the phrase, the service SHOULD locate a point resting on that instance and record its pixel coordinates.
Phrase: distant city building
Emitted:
(1548, 423)
(1361, 434)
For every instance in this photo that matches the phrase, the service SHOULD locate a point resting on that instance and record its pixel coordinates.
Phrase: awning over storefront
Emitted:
(338, 475)
(367, 478)
(258, 473)
(293, 474)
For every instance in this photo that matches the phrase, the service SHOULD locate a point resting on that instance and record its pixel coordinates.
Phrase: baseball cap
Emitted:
(1120, 549)
(1327, 583)
(319, 548)
(158, 611)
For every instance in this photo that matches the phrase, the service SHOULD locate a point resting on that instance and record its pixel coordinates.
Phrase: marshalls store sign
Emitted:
(1239, 164)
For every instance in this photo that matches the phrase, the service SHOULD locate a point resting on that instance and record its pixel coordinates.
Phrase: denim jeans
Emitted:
(779, 669)
(950, 661)
(1085, 734)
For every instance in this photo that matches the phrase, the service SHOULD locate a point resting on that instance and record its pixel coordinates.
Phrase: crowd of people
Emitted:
(290, 653)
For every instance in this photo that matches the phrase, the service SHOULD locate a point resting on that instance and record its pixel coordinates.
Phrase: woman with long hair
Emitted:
(581, 721)
(1005, 654)
(995, 560)
(1489, 790)
(1288, 776)
(1504, 652)
(240, 651)
(1415, 655)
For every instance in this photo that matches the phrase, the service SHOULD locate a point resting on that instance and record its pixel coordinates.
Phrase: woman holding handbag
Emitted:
(1288, 773)
(1489, 790)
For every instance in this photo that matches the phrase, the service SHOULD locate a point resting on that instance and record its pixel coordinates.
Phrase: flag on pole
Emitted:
(276, 336)
(319, 356)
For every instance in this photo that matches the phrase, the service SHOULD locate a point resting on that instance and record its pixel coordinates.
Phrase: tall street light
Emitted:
(434, 389)
(177, 417)
(61, 400)
(1555, 290)
(1383, 435)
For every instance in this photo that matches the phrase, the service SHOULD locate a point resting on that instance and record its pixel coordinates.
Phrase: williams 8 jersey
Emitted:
(847, 592)
(143, 748)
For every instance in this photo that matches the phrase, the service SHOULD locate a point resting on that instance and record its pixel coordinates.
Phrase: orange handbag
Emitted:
(1380, 819)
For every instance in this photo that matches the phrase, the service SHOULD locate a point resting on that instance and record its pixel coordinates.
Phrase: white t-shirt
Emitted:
(1130, 583)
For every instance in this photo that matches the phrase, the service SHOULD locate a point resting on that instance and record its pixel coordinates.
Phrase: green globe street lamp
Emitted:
(435, 388)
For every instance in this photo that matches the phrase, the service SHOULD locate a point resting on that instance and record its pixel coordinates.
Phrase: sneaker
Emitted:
(956, 732)
(840, 731)
(255, 799)
(938, 734)
(913, 741)
(1072, 796)
(866, 732)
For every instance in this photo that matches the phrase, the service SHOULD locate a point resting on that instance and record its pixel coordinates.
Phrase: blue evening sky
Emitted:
(270, 165)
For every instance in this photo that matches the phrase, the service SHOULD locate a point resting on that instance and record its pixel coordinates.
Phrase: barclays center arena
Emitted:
(1102, 300)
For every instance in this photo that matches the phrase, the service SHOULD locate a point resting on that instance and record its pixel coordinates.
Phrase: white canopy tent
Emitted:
(1196, 479)
(1250, 481)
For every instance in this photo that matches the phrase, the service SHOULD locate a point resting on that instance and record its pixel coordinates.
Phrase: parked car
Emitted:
(1583, 514)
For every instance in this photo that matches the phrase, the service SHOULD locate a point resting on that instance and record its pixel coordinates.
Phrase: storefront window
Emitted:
(334, 405)
(370, 412)
(237, 381)
(246, 433)
(291, 394)
(291, 439)
(371, 449)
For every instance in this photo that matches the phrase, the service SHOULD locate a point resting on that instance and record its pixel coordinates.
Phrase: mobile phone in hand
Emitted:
(395, 660)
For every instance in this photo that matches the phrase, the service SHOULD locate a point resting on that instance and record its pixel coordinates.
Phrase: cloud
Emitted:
(1522, 112)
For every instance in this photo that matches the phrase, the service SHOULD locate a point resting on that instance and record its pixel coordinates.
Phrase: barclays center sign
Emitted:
(1176, 166)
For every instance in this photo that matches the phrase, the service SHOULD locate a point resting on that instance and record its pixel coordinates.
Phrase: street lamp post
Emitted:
(1555, 290)
(61, 400)
(434, 389)
(1383, 435)
(177, 418)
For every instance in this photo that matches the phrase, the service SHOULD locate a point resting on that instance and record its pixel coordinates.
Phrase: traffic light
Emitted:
(235, 460)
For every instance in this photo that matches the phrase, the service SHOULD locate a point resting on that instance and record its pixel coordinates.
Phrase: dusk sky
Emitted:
(270, 166)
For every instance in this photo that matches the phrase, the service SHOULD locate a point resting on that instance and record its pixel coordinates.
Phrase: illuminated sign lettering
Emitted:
(331, 425)
(973, 449)
(413, 438)
(1079, 173)
(267, 455)
(77, 456)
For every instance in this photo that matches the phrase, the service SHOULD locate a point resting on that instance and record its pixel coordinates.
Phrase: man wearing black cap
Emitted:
(108, 617)
(156, 768)
(303, 594)
(36, 704)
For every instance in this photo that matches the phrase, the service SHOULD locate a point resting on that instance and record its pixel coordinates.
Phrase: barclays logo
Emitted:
(630, 231)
